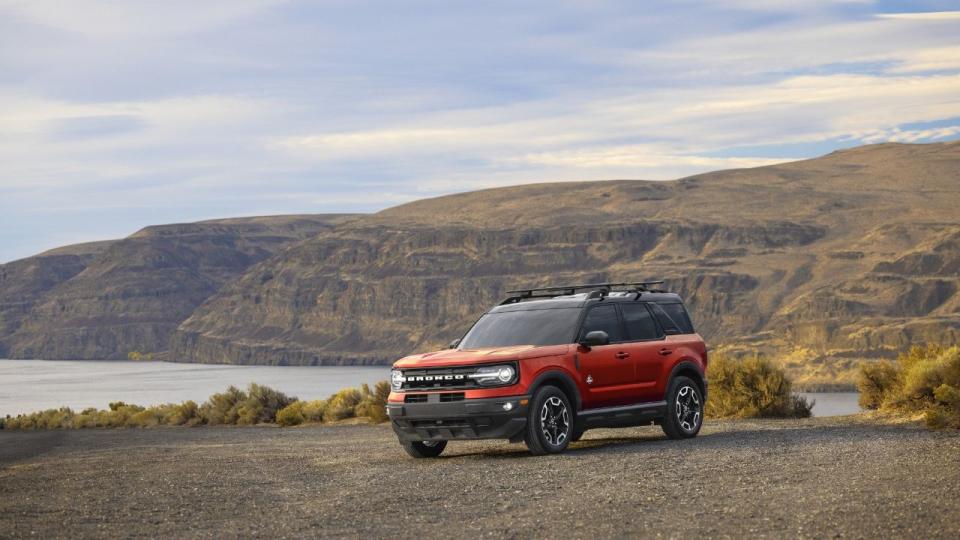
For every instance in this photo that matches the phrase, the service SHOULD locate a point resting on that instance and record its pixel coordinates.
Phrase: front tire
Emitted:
(549, 422)
(423, 449)
(685, 406)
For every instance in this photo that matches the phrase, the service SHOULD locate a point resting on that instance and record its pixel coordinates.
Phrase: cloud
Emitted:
(109, 19)
(117, 115)
(926, 16)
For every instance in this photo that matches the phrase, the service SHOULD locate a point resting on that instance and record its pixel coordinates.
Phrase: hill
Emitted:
(823, 262)
(108, 299)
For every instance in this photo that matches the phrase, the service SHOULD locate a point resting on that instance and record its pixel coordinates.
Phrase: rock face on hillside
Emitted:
(109, 299)
(852, 255)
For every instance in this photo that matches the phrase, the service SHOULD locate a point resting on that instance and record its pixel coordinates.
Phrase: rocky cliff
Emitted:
(825, 261)
(110, 299)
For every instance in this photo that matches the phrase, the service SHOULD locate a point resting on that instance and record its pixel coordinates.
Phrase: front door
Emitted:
(607, 370)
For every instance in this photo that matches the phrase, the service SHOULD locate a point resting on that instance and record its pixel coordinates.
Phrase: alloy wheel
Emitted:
(689, 408)
(555, 421)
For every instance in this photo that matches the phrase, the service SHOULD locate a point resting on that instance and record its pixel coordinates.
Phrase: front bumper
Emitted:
(465, 419)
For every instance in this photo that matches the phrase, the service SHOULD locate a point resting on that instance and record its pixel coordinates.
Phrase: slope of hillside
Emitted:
(824, 261)
(111, 298)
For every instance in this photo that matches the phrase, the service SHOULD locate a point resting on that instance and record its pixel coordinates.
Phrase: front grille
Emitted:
(453, 396)
(439, 378)
(415, 398)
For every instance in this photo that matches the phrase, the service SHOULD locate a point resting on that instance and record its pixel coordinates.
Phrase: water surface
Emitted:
(833, 403)
(33, 385)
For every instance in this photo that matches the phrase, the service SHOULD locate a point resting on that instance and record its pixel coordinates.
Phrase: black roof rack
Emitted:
(559, 290)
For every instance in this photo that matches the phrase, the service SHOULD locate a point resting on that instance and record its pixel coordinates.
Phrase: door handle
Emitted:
(621, 355)
(665, 351)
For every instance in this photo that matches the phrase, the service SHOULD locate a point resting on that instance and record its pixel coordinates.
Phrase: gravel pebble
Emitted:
(841, 477)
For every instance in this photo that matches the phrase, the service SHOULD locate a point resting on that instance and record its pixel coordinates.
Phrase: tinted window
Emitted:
(603, 318)
(679, 315)
(669, 322)
(639, 322)
(531, 327)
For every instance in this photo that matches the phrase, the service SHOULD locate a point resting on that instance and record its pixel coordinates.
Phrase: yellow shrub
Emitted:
(751, 388)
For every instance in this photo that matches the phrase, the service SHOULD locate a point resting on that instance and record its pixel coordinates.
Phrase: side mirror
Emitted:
(454, 344)
(595, 338)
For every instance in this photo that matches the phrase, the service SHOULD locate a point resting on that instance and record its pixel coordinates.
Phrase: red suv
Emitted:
(547, 364)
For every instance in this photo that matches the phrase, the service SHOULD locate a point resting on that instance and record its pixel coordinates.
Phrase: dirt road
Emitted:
(825, 477)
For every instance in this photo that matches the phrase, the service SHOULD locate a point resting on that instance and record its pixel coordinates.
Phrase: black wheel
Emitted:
(549, 422)
(684, 409)
(423, 449)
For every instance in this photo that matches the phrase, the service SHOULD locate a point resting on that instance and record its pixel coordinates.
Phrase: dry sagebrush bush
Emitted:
(752, 387)
(924, 380)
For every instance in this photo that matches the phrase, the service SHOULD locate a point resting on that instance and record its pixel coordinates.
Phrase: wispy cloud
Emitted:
(114, 115)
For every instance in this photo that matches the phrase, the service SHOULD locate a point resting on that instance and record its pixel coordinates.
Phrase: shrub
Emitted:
(259, 404)
(342, 405)
(923, 380)
(222, 408)
(752, 388)
(291, 415)
(313, 410)
(876, 378)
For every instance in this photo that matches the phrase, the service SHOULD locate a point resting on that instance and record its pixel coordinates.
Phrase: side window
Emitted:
(603, 318)
(639, 322)
(666, 321)
(680, 316)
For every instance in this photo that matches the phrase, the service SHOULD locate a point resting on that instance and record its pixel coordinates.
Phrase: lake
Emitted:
(833, 403)
(33, 385)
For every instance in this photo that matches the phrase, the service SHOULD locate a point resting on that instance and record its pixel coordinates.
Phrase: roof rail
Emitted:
(559, 290)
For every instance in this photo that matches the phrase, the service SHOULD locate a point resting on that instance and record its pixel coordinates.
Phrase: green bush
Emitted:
(752, 387)
(924, 380)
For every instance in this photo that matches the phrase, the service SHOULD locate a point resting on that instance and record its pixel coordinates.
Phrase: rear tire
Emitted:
(423, 449)
(685, 407)
(549, 422)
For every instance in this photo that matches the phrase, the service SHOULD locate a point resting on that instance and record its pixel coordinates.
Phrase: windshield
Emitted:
(532, 327)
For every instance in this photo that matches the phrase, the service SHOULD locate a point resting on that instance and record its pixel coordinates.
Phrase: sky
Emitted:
(115, 115)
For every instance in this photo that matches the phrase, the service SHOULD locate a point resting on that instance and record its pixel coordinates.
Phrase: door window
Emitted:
(640, 324)
(603, 318)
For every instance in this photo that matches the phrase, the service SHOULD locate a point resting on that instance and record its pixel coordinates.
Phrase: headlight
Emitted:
(493, 375)
(396, 379)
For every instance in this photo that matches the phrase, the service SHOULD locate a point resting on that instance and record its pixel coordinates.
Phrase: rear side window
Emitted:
(603, 318)
(639, 322)
(673, 318)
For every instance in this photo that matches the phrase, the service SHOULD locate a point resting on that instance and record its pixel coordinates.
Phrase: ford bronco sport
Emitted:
(547, 364)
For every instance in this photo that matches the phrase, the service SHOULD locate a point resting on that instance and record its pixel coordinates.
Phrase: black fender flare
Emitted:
(567, 384)
(688, 366)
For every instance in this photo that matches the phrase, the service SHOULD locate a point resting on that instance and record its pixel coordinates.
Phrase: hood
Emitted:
(458, 357)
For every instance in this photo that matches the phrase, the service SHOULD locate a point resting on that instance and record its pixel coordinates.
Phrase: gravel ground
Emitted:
(825, 477)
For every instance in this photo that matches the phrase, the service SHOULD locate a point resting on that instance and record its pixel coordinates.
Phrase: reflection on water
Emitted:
(33, 385)
(833, 403)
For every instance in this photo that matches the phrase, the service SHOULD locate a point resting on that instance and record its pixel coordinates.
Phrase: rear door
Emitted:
(607, 370)
(647, 348)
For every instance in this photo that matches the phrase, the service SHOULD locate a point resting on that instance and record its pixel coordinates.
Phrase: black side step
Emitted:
(625, 415)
